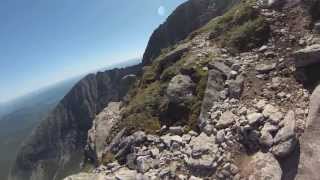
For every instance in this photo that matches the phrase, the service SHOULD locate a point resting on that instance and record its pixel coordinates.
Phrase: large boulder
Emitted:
(307, 56)
(310, 143)
(263, 166)
(180, 89)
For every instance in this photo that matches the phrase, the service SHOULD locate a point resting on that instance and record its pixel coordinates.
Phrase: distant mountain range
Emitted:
(18, 117)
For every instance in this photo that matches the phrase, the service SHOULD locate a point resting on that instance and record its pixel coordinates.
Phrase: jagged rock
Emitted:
(226, 119)
(101, 128)
(265, 68)
(125, 146)
(263, 166)
(307, 56)
(180, 89)
(285, 140)
(288, 129)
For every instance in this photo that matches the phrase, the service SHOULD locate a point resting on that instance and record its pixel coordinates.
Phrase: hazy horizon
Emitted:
(78, 76)
(58, 40)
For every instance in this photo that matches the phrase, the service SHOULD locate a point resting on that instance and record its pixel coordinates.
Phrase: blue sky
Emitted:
(45, 41)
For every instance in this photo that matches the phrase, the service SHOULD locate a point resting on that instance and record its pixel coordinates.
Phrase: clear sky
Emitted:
(45, 41)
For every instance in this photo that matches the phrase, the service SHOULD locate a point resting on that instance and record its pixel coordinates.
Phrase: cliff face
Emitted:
(185, 19)
(55, 148)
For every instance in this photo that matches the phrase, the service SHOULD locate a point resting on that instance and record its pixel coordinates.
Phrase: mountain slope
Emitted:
(54, 149)
(22, 115)
(188, 17)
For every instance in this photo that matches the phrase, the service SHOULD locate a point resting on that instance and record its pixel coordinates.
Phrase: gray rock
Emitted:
(285, 140)
(168, 140)
(180, 89)
(226, 119)
(269, 110)
(235, 87)
(276, 117)
(266, 139)
(126, 174)
(309, 162)
(261, 104)
(263, 166)
(202, 167)
(208, 129)
(220, 137)
(288, 130)
(203, 144)
(265, 68)
(254, 118)
(285, 148)
(177, 130)
(307, 56)
(144, 163)
(186, 138)
(220, 66)
(101, 128)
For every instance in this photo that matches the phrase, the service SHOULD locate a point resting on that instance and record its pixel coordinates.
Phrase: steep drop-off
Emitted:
(55, 147)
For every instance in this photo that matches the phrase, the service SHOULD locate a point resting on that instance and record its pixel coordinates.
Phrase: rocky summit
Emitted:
(228, 90)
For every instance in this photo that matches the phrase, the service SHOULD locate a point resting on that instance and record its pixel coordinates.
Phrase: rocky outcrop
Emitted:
(186, 18)
(101, 130)
(310, 142)
(55, 148)
(307, 56)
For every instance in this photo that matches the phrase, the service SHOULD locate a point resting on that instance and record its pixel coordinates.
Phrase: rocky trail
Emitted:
(258, 109)
(251, 130)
